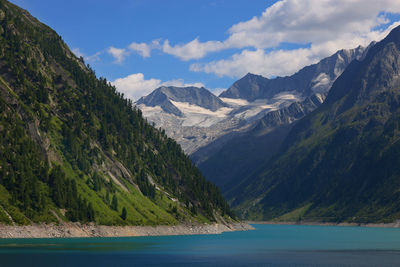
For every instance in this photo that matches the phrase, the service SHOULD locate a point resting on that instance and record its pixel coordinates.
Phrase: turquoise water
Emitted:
(268, 245)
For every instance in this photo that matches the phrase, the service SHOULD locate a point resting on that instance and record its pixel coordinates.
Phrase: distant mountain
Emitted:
(229, 159)
(73, 149)
(340, 162)
(200, 121)
(163, 96)
(316, 78)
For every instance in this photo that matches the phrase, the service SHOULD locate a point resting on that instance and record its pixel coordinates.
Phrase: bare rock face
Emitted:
(163, 96)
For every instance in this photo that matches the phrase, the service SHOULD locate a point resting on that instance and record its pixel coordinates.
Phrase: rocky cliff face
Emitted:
(164, 96)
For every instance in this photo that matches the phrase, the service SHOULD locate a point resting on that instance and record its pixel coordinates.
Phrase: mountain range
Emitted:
(320, 145)
(340, 162)
(244, 118)
(316, 78)
(197, 119)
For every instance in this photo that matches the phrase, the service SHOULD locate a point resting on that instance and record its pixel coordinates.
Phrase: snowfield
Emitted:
(199, 126)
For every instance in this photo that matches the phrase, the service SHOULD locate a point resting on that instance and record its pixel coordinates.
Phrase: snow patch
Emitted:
(199, 116)
(289, 96)
(321, 83)
(190, 108)
(260, 107)
(234, 101)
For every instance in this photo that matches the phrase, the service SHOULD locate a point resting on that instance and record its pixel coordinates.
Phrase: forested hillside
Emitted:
(74, 149)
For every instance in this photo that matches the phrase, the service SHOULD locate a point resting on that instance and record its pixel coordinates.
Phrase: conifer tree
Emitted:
(123, 214)
(114, 203)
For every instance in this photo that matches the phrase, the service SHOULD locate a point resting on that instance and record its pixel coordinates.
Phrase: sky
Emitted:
(139, 45)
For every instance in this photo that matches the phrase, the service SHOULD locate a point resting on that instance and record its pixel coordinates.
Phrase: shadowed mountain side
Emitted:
(233, 159)
(339, 163)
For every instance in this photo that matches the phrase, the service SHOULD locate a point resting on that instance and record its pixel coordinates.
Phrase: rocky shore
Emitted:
(92, 230)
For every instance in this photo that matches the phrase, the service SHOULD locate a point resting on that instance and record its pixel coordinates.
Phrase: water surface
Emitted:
(268, 245)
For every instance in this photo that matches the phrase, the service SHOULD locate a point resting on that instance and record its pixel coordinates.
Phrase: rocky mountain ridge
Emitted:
(316, 78)
(195, 118)
(163, 96)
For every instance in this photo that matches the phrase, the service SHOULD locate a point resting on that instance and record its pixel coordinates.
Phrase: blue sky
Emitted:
(142, 44)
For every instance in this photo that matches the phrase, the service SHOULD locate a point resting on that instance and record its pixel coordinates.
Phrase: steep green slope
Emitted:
(72, 148)
(340, 163)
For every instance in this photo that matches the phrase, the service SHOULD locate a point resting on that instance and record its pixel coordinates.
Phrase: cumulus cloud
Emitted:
(144, 49)
(322, 26)
(135, 85)
(276, 63)
(119, 54)
(312, 21)
(327, 26)
(192, 50)
(283, 62)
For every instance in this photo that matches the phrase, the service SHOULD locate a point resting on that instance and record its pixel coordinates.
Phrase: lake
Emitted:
(268, 245)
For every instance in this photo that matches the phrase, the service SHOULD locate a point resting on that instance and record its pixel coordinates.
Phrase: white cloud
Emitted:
(135, 85)
(311, 21)
(91, 58)
(283, 62)
(94, 57)
(276, 63)
(119, 54)
(181, 83)
(78, 52)
(144, 49)
(324, 26)
(141, 48)
(192, 50)
(327, 26)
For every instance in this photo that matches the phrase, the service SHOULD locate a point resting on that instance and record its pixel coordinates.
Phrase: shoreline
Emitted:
(378, 225)
(69, 230)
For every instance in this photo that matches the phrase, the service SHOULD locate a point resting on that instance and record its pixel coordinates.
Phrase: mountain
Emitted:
(202, 123)
(226, 162)
(74, 149)
(164, 97)
(316, 78)
(339, 163)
